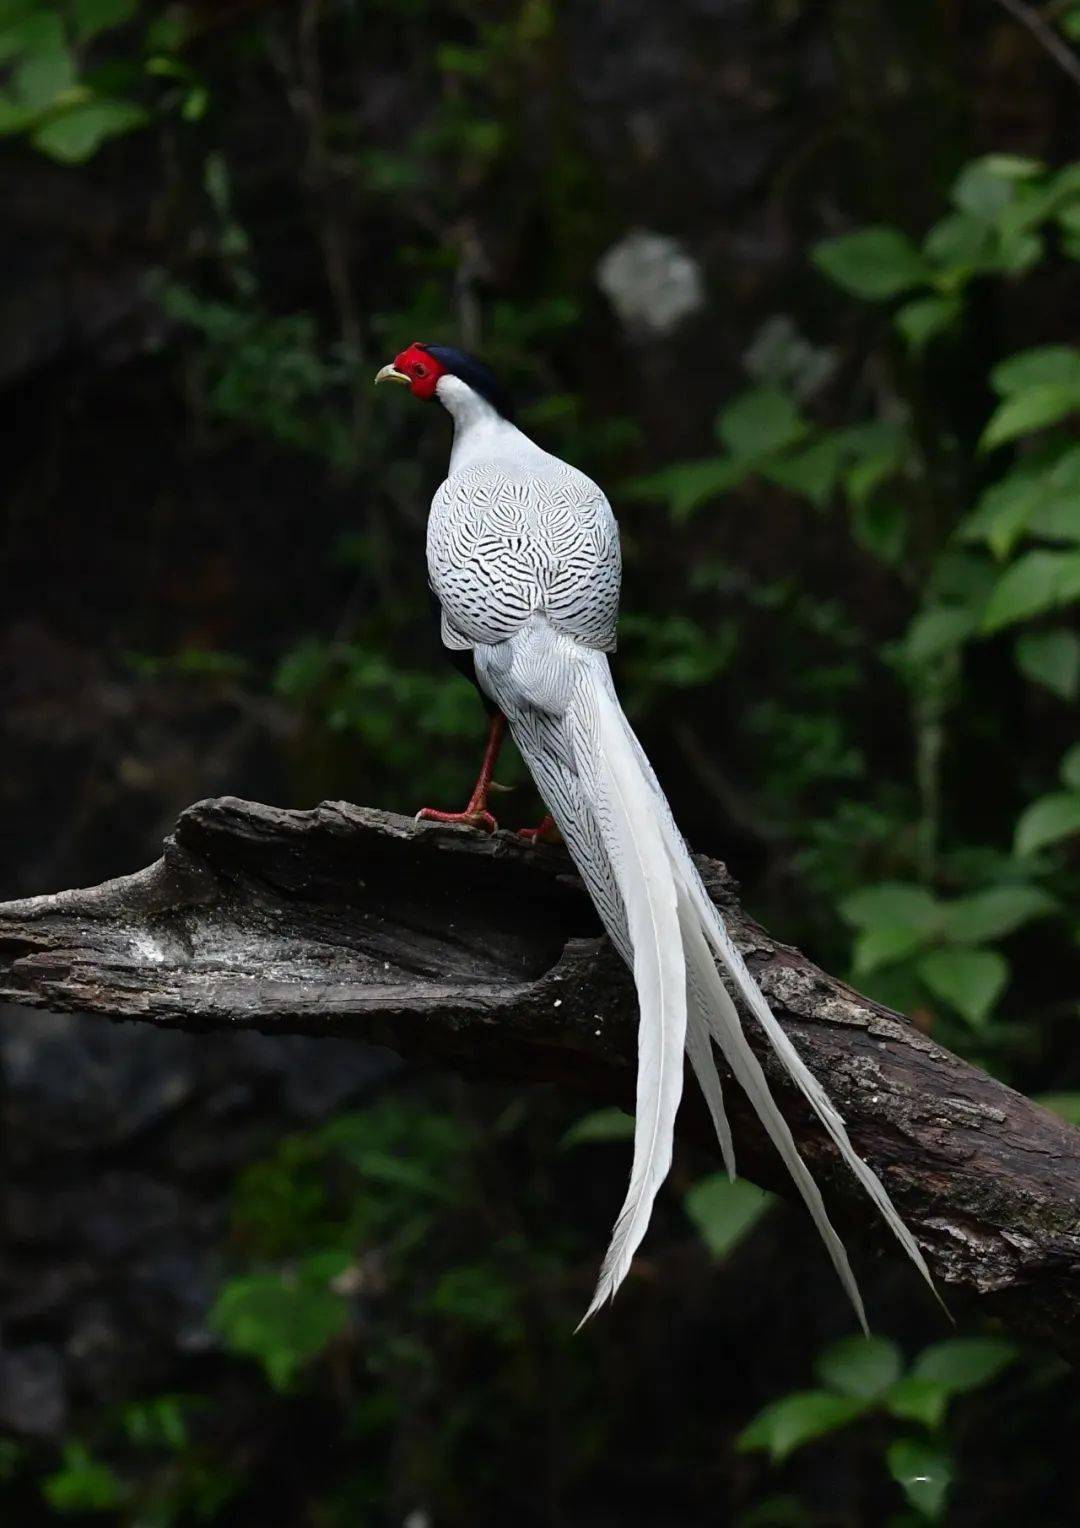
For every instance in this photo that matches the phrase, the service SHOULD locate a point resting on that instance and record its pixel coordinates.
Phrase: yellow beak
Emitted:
(391, 374)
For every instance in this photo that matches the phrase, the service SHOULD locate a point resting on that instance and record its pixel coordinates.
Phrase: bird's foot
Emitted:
(545, 832)
(471, 817)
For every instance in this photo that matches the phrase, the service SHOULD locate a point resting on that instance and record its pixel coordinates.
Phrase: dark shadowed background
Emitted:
(797, 281)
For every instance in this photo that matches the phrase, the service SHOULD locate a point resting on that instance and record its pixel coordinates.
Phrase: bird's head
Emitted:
(422, 368)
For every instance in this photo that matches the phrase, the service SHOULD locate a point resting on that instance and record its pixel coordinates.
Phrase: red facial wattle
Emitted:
(422, 370)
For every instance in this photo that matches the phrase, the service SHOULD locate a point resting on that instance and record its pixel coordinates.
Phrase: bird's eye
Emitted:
(419, 369)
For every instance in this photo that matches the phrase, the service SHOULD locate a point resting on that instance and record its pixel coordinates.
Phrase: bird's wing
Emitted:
(509, 540)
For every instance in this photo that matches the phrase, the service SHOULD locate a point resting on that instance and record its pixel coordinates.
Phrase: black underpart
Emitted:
(479, 377)
(461, 658)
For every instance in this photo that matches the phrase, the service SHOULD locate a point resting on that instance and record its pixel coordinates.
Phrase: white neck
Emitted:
(479, 429)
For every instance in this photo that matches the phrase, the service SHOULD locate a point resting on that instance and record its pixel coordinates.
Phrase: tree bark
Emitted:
(484, 953)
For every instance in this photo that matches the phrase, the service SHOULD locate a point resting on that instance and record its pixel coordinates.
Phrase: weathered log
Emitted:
(485, 953)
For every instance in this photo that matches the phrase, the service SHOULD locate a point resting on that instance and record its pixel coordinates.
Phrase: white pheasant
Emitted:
(523, 558)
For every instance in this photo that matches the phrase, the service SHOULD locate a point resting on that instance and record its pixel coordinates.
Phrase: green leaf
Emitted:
(1014, 166)
(1002, 513)
(1067, 1105)
(1048, 821)
(1052, 659)
(889, 438)
(870, 471)
(918, 1400)
(479, 1295)
(980, 192)
(29, 32)
(873, 263)
(993, 914)
(725, 1212)
(168, 33)
(1018, 251)
(971, 981)
(960, 578)
(601, 1125)
(13, 15)
(933, 633)
(1070, 767)
(923, 1472)
(94, 16)
(1036, 582)
(881, 527)
(83, 1484)
(283, 1320)
(884, 946)
(787, 1424)
(41, 78)
(964, 1363)
(1036, 408)
(79, 133)
(814, 473)
(13, 117)
(1057, 518)
(860, 1366)
(687, 485)
(925, 318)
(759, 423)
(1046, 366)
(893, 903)
(961, 244)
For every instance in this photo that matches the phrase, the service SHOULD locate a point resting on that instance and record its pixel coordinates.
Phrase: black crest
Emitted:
(475, 374)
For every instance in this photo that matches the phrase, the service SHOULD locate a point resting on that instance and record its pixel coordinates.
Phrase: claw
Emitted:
(545, 832)
(476, 819)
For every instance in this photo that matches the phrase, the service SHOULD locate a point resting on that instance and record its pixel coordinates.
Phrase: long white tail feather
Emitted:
(600, 787)
(687, 874)
(796, 1067)
(726, 1027)
(626, 815)
(699, 1050)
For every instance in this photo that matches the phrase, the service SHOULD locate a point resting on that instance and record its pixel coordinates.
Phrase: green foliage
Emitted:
(166, 1476)
(863, 1377)
(1065, 1104)
(402, 718)
(58, 96)
(1051, 658)
(725, 1212)
(924, 1474)
(286, 1318)
(1005, 210)
(162, 1422)
(1055, 817)
(874, 264)
(1007, 564)
(864, 1367)
(83, 1484)
(907, 924)
(268, 372)
(787, 1424)
(601, 1125)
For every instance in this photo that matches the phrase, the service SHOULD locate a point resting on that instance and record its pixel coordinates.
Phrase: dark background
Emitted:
(213, 582)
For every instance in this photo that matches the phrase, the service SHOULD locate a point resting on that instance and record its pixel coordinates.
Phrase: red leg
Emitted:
(476, 814)
(545, 832)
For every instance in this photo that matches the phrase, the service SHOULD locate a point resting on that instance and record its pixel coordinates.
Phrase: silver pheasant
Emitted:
(523, 559)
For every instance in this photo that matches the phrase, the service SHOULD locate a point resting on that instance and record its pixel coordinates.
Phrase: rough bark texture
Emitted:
(485, 953)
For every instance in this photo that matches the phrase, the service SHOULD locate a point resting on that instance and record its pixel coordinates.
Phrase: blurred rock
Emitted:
(119, 1264)
(33, 1400)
